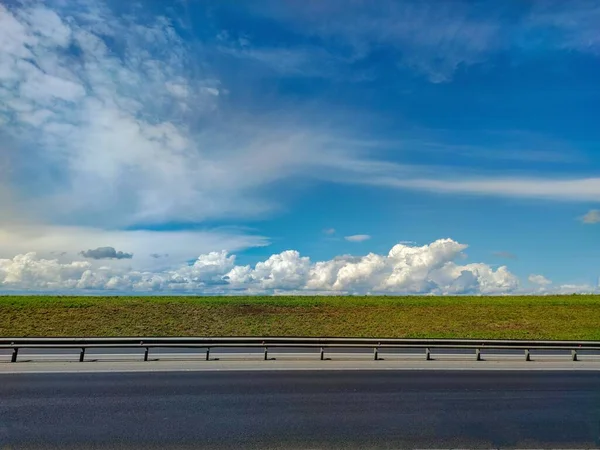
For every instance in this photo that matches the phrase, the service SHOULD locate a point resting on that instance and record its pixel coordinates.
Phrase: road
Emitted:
(301, 409)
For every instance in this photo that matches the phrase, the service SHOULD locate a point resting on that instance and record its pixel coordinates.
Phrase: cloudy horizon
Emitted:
(305, 147)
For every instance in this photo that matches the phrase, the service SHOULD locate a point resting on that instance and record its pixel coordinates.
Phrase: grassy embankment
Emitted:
(556, 317)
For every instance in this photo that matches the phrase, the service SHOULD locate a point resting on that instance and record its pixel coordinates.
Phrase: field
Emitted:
(550, 317)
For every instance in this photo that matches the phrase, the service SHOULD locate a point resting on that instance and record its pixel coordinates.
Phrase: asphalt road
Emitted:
(262, 410)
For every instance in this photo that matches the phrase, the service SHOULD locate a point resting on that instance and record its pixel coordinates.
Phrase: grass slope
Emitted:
(551, 317)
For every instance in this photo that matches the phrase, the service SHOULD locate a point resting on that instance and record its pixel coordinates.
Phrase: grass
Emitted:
(527, 317)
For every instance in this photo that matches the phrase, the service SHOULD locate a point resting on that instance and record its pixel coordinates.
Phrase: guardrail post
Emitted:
(321, 343)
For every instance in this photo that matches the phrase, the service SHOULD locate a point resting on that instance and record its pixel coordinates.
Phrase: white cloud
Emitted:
(115, 124)
(29, 272)
(579, 190)
(207, 269)
(287, 270)
(566, 289)
(329, 231)
(211, 91)
(178, 246)
(178, 89)
(406, 269)
(127, 134)
(429, 269)
(358, 238)
(591, 217)
(539, 280)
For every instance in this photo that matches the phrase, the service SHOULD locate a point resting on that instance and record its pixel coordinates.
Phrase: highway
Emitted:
(301, 409)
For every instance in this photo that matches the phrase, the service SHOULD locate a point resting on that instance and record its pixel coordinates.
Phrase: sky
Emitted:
(299, 147)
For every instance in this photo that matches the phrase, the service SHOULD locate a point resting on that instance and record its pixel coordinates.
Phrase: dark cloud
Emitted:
(506, 255)
(105, 253)
(159, 255)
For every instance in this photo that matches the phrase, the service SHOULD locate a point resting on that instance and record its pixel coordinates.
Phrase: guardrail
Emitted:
(208, 343)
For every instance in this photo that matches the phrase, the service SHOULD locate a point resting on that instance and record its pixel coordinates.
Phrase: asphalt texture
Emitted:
(292, 409)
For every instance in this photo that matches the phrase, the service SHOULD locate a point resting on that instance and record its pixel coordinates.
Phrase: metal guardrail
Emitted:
(376, 344)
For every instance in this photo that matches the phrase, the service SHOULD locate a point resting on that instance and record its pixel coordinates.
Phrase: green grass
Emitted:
(527, 317)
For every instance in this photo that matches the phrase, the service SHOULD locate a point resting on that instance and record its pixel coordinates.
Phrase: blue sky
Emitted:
(213, 143)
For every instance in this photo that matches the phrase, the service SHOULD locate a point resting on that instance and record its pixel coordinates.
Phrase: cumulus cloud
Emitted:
(29, 272)
(591, 217)
(539, 280)
(105, 253)
(406, 269)
(358, 238)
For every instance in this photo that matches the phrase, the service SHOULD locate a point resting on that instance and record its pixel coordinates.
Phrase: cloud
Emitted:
(506, 255)
(115, 122)
(358, 238)
(432, 39)
(105, 253)
(65, 88)
(428, 269)
(284, 61)
(159, 255)
(180, 246)
(591, 217)
(539, 280)
(573, 190)
(571, 26)
(329, 231)
(71, 72)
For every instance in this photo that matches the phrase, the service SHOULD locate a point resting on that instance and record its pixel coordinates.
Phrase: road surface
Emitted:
(301, 409)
